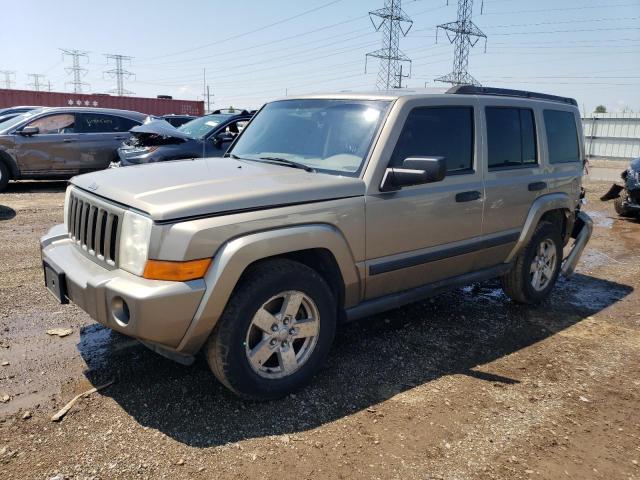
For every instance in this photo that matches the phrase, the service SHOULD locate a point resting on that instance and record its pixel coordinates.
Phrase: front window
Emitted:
(202, 126)
(55, 124)
(328, 135)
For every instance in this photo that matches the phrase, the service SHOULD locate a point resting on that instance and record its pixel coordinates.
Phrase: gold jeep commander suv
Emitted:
(326, 208)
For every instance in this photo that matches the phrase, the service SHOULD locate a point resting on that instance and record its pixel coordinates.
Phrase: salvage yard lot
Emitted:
(466, 385)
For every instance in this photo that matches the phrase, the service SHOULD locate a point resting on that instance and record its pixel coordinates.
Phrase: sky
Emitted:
(252, 51)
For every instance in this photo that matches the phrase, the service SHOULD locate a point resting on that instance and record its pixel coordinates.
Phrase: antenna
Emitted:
(77, 71)
(393, 22)
(464, 34)
(119, 73)
(7, 78)
(38, 81)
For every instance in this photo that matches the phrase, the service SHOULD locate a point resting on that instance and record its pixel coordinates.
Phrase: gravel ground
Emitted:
(466, 385)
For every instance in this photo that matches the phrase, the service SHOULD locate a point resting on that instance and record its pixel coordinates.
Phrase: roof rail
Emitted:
(506, 92)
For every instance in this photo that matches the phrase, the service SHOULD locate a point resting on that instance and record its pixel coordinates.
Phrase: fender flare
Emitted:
(232, 259)
(11, 164)
(540, 206)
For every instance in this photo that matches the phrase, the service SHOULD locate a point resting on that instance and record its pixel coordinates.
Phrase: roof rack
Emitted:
(506, 92)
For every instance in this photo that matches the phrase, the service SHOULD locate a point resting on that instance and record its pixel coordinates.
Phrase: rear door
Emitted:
(52, 149)
(99, 136)
(514, 174)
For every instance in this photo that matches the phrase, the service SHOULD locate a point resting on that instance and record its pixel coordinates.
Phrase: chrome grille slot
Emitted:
(94, 227)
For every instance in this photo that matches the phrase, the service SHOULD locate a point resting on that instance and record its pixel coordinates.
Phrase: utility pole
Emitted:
(119, 73)
(392, 22)
(8, 82)
(464, 34)
(208, 100)
(75, 69)
(37, 81)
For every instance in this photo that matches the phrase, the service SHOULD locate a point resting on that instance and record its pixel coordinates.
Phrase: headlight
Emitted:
(66, 208)
(134, 242)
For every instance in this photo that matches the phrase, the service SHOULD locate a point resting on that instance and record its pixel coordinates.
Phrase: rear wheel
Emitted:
(537, 267)
(4, 176)
(276, 331)
(621, 208)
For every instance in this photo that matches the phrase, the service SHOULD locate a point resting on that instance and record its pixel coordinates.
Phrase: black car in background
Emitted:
(178, 120)
(61, 142)
(207, 136)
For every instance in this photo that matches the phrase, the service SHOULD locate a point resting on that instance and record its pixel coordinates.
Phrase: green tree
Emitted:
(600, 109)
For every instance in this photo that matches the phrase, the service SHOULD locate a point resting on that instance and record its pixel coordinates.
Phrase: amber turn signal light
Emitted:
(176, 271)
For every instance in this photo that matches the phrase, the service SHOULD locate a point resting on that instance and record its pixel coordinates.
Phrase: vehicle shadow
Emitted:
(6, 213)
(36, 186)
(372, 360)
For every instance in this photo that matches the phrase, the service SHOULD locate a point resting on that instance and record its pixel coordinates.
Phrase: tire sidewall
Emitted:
(4, 176)
(545, 231)
(238, 370)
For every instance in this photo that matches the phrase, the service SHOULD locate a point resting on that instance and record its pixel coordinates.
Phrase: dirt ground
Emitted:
(464, 386)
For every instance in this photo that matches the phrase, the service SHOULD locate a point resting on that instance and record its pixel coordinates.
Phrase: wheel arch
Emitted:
(11, 164)
(319, 246)
(555, 207)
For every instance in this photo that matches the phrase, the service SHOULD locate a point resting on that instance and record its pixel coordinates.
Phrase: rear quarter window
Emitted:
(562, 136)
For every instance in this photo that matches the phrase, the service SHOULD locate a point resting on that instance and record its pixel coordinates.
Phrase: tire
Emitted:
(269, 287)
(4, 176)
(621, 210)
(520, 282)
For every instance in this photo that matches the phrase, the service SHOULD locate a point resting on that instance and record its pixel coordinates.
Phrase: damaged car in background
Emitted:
(159, 141)
(626, 197)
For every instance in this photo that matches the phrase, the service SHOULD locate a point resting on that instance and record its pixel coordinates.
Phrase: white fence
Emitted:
(614, 136)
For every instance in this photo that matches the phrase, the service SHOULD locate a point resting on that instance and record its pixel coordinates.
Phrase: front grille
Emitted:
(94, 227)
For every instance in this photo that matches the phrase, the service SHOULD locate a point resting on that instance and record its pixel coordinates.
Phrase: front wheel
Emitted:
(537, 267)
(4, 176)
(621, 208)
(275, 332)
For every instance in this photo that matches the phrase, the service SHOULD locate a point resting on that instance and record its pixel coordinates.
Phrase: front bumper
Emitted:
(582, 230)
(157, 312)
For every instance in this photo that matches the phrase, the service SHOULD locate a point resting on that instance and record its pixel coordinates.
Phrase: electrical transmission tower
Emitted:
(392, 22)
(76, 69)
(38, 82)
(464, 34)
(119, 74)
(8, 82)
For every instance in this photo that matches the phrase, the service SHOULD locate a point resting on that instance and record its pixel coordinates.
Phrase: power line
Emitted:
(464, 34)
(393, 22)
(75, 69)
(239, 35)
(7, 77)
(119, 73)
(38, 81)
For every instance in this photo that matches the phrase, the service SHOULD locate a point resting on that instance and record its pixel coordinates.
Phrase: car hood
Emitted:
(208, 186)
(162, 128)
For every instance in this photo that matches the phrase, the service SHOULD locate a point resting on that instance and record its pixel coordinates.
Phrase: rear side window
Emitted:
(562, 136)
(101, 123)
(437, 132)
(511, 137)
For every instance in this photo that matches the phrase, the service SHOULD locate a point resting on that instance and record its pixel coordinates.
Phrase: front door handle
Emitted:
(68, 140)
(537, 186)
(121, 138)
(468, 196)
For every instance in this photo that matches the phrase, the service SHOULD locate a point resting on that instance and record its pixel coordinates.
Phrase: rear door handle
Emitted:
(121, 138)
(468, 196)
(537, 186)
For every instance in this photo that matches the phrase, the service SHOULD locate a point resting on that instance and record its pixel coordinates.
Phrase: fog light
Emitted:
(120, 311)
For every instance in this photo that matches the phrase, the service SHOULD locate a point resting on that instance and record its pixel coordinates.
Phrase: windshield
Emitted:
(201, 127)
(329, 135)
(12, 122)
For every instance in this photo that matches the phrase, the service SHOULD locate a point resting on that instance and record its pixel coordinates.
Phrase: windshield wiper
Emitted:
(289, 163)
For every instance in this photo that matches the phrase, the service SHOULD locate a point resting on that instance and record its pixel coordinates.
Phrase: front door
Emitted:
(52, 149)
(425, 233)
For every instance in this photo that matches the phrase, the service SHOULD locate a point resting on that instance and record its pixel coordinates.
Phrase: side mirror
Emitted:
(28, 131)
(414, 171)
